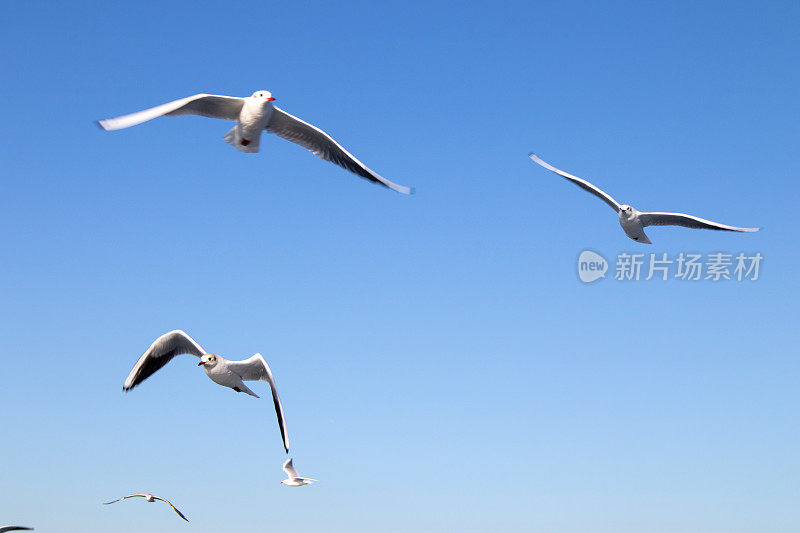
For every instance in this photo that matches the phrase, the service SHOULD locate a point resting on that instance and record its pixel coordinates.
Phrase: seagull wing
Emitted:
(205, 105)
(257, 369)
(125, 498)
(173, 507)
(321, 144)
(15, 528)
(288, 467)
(583, 184)
(689, 221)
(159, 354)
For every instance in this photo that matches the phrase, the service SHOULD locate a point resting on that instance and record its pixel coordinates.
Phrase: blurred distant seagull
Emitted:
(150, 498)
(293, 480)
(14, 528)
(632, 221)
(254, 114)
(220, 370)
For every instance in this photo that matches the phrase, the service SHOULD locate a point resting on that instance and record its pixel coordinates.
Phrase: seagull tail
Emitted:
(233, 138)
(244, 388)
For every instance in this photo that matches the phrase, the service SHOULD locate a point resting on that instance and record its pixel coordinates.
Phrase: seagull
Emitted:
(14, 528)
(293, 480)
(632, 221)
(150, 498)
(254, 114)
(221, 371)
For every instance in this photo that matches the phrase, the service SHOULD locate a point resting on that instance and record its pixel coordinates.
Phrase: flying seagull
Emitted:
(150, 498)
(3, 529)
(632, 221)
(222, 371)
(293, 480)
(254, 114)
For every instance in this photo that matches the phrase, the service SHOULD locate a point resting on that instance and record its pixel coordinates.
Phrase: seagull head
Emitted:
(265, 96)
(208, 360)
(626, 210)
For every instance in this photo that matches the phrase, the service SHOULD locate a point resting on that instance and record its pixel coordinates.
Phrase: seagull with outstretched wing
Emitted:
(632, 221)
(293, 479)
(222, 371)
(150, 498)
(253, 115)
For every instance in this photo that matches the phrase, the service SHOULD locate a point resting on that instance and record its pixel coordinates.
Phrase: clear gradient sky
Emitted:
(440, 364)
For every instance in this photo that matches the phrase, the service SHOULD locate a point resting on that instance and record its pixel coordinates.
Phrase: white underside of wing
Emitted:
(289, 469)
(582, 183)
(218, 106)
(323, 145)
(689, 221)
(256, 369)
(165, 346)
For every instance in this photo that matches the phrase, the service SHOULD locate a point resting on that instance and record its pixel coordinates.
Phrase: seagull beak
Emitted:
(271, 98)
(201, 363)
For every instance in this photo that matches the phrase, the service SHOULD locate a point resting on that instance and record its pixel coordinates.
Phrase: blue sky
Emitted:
(440, 364)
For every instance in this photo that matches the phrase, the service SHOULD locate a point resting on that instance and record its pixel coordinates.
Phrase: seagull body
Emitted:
(231, 374)
(150, 498)
(5, 529)
(253, 115)
(292, 479)
(632, 221)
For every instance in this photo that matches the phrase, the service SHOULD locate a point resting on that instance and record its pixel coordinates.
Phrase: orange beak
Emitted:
(201, 363)
(271, 98)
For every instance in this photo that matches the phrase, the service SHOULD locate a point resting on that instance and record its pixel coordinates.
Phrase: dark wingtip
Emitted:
(97, 123)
